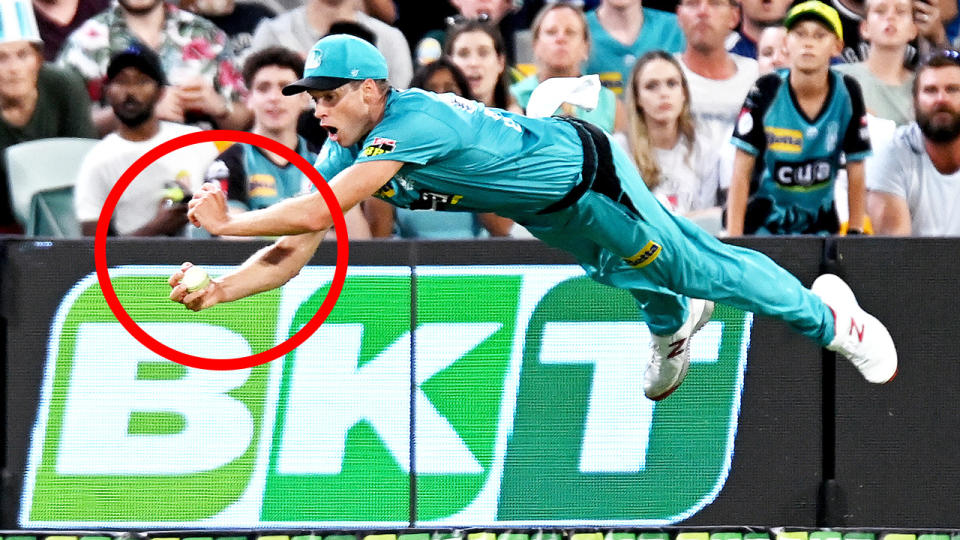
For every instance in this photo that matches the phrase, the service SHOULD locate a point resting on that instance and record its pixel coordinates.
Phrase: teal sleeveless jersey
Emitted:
(613, 60)
(798, 157)
(459, 155)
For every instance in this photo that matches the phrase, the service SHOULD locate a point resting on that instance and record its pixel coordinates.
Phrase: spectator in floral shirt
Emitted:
(206, 86)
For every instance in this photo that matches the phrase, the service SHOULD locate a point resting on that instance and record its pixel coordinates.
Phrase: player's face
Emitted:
(19, 66)
(889, 23)
(764, 11)
(771, 49)
(706, 23)
(660, 95)
(561, 44)
(133, 96)
(274, 112)
(811, 45)
(938, 103)
(344, 112)
(442, 81)
(476, 56)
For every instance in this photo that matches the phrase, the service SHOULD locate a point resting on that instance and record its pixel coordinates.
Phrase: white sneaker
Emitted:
(671, 354)
(859, 336)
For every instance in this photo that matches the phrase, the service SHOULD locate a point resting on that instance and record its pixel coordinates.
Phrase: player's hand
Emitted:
(204, 298)
(209, 209)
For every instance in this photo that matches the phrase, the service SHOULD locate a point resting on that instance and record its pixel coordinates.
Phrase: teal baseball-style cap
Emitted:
(336, 60)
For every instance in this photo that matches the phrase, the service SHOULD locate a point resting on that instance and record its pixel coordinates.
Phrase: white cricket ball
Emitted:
(195, 278)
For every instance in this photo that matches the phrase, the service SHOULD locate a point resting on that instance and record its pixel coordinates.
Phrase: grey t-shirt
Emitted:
(883, 100)
(291, 30)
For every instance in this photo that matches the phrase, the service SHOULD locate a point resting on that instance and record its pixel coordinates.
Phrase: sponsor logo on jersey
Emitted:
(263, 185)
(435, 201)
(803, 175)
(379, 146)
(745, 124)
(784, 140)
(645, 256)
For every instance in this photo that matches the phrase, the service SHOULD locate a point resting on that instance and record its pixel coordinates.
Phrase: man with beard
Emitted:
(915, 184)
(154, 204)
(205, 85)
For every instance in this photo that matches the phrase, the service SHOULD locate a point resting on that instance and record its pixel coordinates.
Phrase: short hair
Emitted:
(937, 59)
(271, 56)
(542, 14)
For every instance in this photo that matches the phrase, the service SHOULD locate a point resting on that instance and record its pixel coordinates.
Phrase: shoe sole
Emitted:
(704, 319)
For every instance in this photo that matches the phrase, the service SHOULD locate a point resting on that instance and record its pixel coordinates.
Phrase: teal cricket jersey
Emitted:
(462, 156)
(798, 157)
(613, 60)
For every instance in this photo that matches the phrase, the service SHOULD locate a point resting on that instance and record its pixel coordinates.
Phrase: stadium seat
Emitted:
(51, 214)
(42, 165)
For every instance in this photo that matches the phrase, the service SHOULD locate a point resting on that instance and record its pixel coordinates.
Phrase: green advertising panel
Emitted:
(490, 395)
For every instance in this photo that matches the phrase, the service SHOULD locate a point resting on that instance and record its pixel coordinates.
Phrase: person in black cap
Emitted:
(155, 203)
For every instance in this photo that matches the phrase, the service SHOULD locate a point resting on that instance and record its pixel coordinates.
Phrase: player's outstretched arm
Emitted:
(267, 269)
(298, 215)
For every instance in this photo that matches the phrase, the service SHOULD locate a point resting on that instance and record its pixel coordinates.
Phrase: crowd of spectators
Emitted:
(748, 116)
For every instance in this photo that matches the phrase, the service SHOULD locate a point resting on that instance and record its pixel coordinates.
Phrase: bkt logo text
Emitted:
(515, 398)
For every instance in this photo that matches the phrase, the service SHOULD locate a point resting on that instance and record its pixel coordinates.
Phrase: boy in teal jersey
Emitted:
(560, 178)
(797, 123)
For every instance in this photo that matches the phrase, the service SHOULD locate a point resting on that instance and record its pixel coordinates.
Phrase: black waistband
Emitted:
(599, 174)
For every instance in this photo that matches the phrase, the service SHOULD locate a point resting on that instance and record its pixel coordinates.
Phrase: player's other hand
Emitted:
(208, 208)
(206, 297)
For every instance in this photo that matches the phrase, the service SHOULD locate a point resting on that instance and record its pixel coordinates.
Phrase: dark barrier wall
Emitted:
(882, 457)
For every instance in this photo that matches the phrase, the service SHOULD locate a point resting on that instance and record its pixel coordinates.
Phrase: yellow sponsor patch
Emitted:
(784, 140)
(263, 185)
(645, 256)
(385, 192)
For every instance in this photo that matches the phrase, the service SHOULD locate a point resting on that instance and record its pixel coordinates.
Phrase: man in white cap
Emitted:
(37, 100)
(561, 178)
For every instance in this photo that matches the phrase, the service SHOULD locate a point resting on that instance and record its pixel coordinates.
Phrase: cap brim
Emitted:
(314, 83)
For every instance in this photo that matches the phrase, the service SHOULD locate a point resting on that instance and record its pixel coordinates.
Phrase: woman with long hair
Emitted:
(662, 137)
(477, 48)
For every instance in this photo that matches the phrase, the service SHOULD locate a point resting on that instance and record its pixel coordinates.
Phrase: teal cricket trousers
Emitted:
(663, 259)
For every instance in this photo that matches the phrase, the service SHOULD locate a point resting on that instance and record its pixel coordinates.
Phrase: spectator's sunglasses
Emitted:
(949, 54)
(457, 20)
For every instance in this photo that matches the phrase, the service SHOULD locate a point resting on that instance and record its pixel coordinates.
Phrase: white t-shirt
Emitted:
(716, 104)
(689, 178)
(111, 157)
(905, 170)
